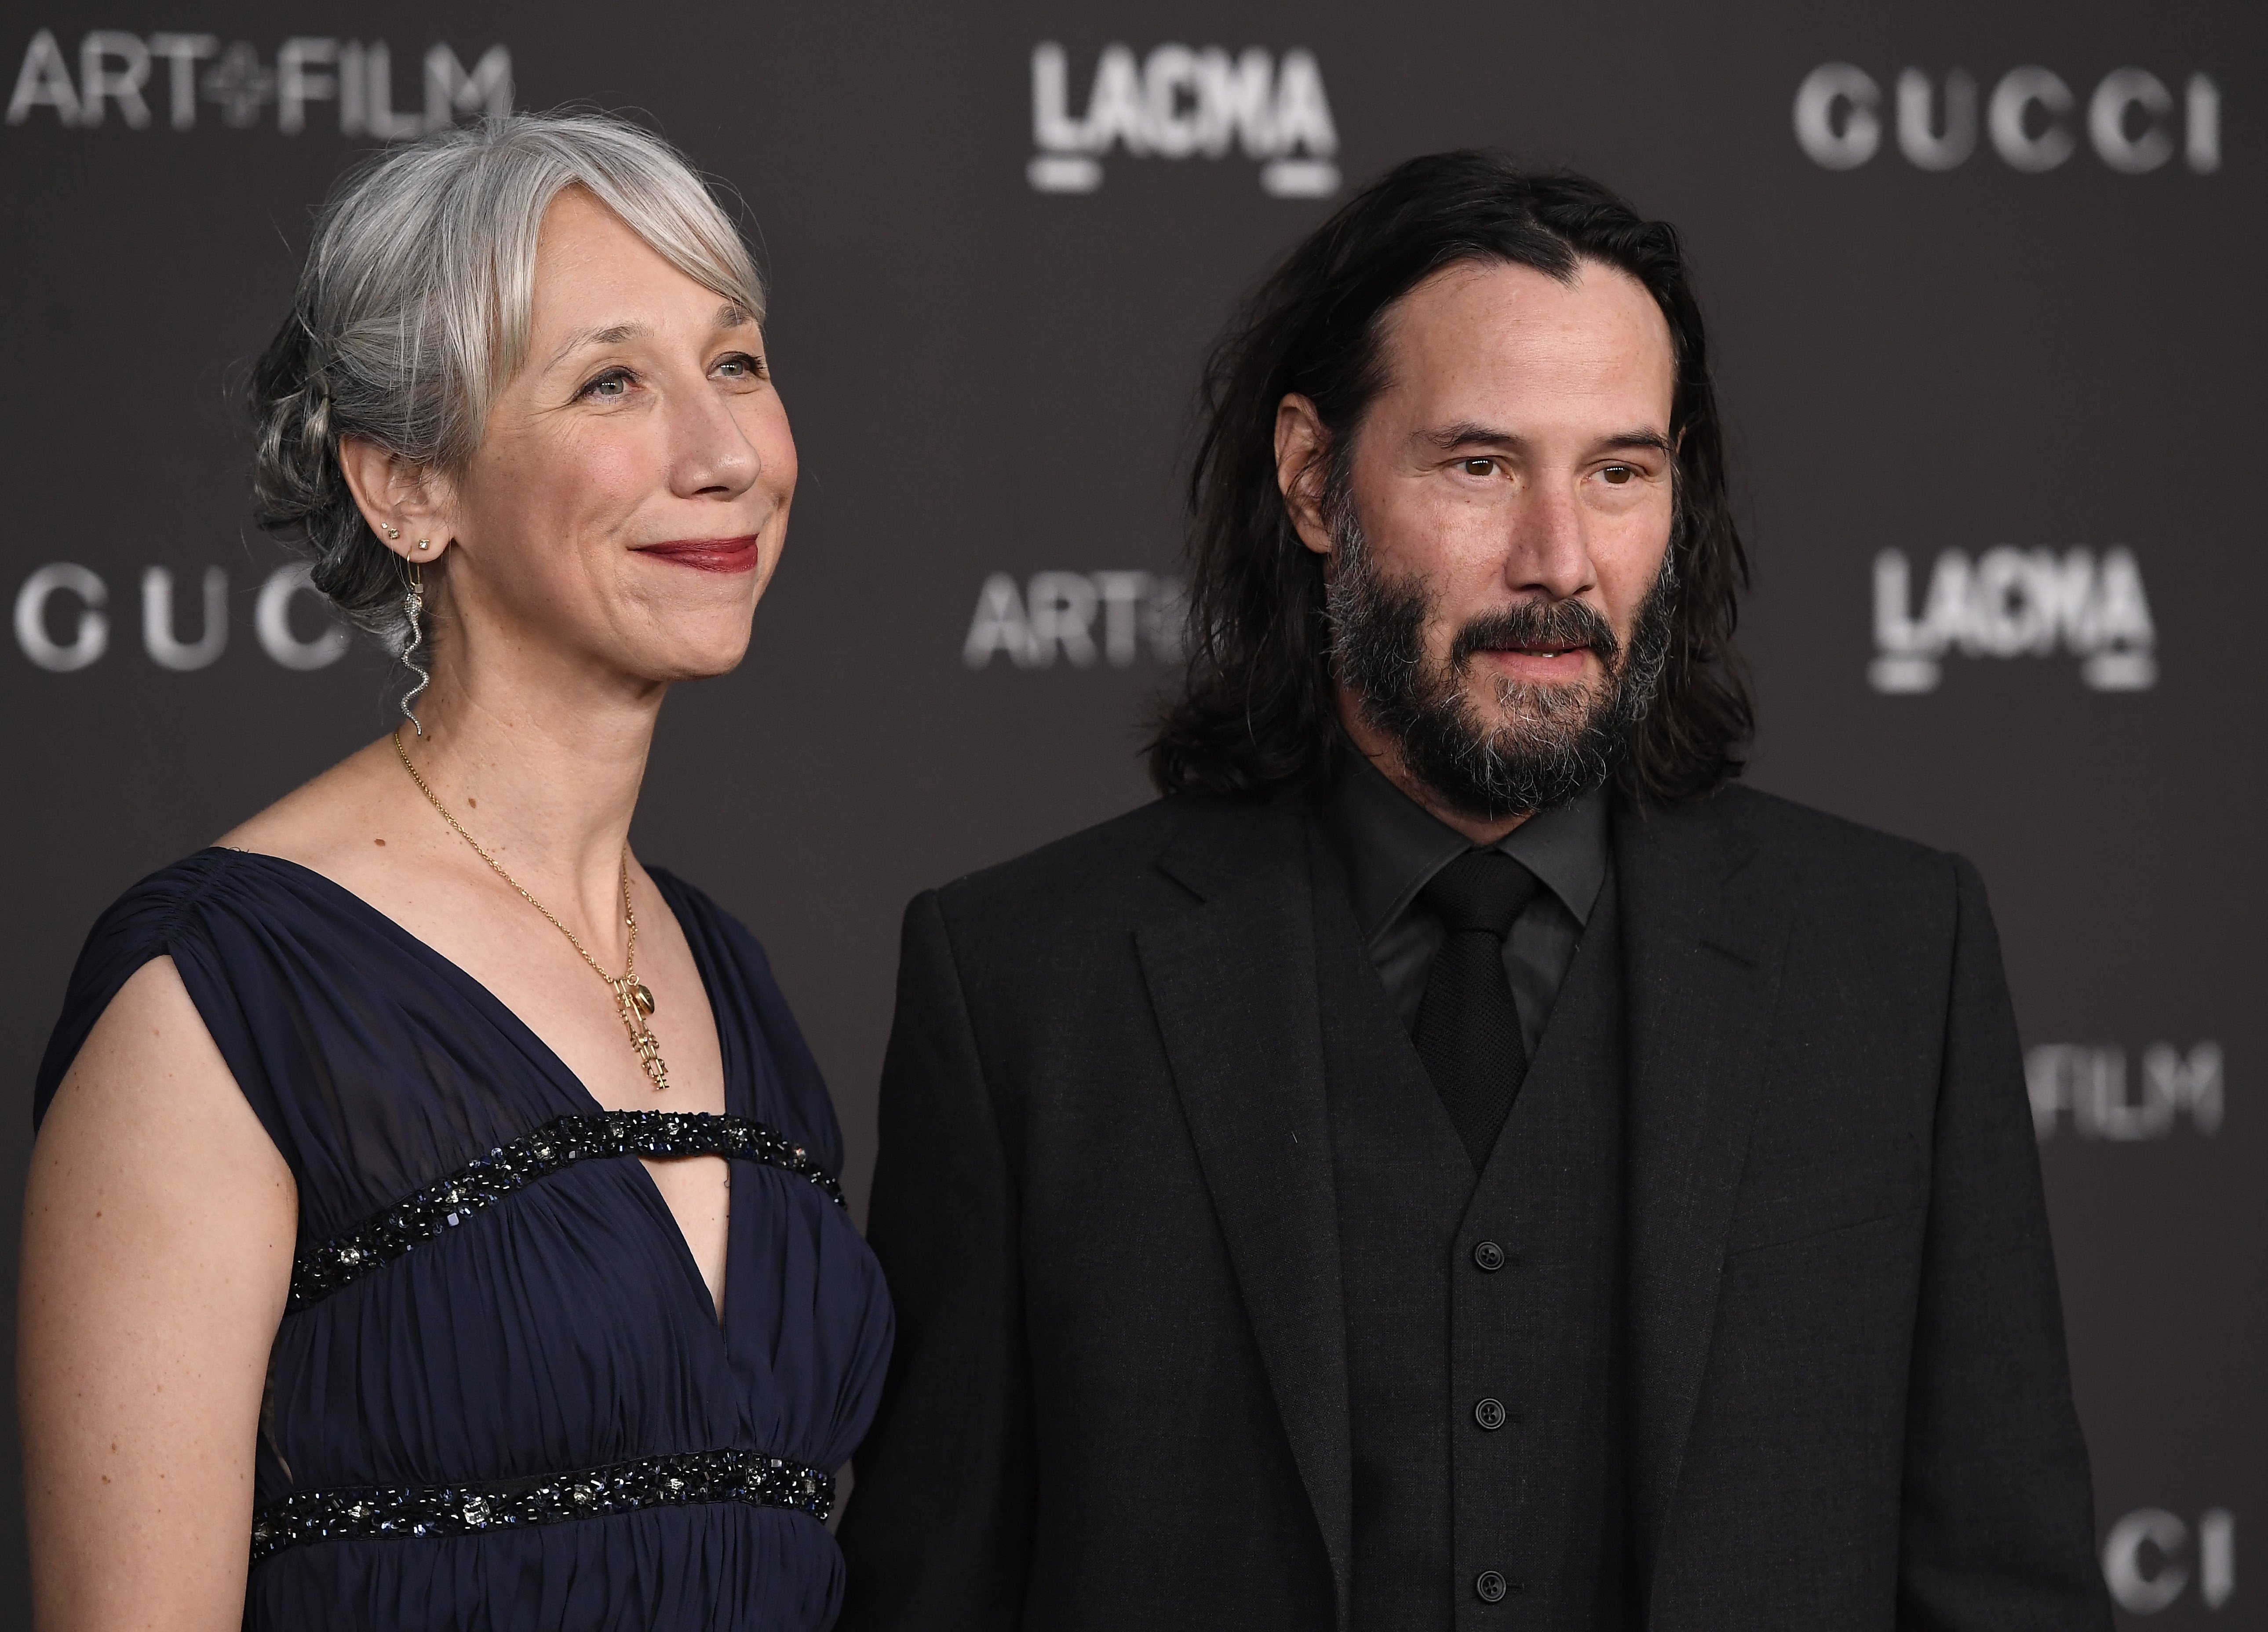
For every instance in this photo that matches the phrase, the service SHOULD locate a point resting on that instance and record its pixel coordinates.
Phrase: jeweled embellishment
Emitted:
(704, 1476)
(324, 1268)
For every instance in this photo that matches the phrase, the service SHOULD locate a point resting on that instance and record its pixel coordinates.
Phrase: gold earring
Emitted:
(392, 532)
(425, 544)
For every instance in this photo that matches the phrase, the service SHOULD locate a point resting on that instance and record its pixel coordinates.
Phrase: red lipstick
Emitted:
(738, 554)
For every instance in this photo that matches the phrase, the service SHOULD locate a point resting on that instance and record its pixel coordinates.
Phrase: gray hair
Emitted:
(413, 308)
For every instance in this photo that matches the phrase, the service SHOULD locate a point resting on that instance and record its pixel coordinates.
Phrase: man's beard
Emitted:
(1550, 743)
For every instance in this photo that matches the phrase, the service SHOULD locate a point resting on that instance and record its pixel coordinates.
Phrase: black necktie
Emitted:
(1467, 1026)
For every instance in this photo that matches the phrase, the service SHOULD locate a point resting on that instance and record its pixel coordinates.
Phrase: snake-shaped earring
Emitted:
(413, 605)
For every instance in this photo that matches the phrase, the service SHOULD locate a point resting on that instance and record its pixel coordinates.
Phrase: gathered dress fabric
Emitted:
(566, 1327)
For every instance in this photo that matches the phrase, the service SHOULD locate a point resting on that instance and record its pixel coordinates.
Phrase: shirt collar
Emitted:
(1393, 845)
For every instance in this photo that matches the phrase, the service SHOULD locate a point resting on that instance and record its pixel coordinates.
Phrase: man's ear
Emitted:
(1302, 450)
(407, 506)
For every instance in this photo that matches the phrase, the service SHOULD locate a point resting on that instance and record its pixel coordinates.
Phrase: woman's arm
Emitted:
(158, 1225)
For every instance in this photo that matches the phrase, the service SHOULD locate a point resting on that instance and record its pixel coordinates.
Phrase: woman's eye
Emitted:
(610, 387)
(740, 366)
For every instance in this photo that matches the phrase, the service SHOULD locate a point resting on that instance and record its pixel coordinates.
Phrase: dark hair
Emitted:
(1258, 707)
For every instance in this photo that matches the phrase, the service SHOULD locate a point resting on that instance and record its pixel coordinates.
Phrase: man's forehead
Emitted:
(1483, 325)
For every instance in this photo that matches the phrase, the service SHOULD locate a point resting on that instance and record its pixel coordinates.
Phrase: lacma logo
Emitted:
(2088, 1083)
(1056, 616)
(2133, 120)
(1185, 102)
(2010, 603)
(122, 73)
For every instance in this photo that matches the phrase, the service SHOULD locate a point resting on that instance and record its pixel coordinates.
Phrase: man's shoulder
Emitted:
(1801, 833)
(1825, 857)
(1111, 870)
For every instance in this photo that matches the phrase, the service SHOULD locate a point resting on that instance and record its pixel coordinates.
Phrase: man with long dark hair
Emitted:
(1457, 1159)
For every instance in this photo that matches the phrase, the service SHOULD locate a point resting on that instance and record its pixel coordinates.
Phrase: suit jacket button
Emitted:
(1489, 1256)
(1489, 1586)
(1490, 1415)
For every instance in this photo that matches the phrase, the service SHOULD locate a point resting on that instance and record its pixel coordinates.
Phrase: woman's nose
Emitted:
(710, 453)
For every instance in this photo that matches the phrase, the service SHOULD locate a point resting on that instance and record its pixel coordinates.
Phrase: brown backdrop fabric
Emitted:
(1984, 288)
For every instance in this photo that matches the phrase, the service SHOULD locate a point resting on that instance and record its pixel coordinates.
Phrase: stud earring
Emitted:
(425, 544)
(393, 532)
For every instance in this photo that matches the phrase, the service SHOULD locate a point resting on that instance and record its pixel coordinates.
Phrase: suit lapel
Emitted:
(1233, 982)
(1703, 938)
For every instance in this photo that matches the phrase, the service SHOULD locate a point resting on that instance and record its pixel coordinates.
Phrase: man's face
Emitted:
(1498, 531)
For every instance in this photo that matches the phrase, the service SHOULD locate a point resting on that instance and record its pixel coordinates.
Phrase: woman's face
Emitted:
(629, 500)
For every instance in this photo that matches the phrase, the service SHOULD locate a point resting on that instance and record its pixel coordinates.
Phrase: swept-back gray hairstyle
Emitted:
(412, 310)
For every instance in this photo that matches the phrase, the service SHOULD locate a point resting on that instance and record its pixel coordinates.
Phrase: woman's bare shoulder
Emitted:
(327, 823)
(149, 1078)
(149, 1048)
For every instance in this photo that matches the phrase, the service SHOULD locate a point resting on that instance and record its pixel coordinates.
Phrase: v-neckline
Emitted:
(507, 1020)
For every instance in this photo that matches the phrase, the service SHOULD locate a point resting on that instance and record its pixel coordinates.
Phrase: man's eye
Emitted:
(1617, 476)
(1478, 466)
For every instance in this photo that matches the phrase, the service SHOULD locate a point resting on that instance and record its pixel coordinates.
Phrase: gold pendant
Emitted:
(649, 1053)
(635, 1003)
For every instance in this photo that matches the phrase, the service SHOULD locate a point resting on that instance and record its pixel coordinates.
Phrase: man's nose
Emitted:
(1547, 552)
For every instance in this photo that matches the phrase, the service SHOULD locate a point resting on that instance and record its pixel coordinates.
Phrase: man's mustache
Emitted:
(1532, 623)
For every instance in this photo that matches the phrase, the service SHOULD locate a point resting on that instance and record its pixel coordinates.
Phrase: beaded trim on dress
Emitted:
(330, 1266)
(466, 1510)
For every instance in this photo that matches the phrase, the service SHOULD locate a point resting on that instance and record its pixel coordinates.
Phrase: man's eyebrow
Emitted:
(1471, 433)
(1467, 433)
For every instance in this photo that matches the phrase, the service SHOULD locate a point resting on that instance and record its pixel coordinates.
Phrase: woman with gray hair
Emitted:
(432, 1219)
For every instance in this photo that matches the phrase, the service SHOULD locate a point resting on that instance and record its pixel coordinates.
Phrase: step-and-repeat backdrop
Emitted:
(1986, 284)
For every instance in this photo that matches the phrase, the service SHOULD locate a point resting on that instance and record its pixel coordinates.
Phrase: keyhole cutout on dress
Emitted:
(698, 1190)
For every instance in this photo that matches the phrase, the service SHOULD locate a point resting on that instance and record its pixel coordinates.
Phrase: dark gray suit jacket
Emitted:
(1105, 1206)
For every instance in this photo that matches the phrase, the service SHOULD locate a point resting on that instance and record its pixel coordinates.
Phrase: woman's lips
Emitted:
(741, 554)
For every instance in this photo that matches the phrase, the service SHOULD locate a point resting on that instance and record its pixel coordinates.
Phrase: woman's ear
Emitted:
(405, 505)
(1301, 446)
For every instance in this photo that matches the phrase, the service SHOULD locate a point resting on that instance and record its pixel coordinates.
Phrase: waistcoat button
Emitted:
(1489, 1257)
(1489, 1586)
(1490, 1415)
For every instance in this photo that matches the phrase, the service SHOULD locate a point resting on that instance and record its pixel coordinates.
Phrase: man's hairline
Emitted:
(1341, 443)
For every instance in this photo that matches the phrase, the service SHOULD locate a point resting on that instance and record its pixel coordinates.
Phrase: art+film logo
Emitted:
(2033, 119)
(121, 74)
(1080, 617)
(2151, 1558)
(1185, 102)
(63, 619)
(2010, 603)
(2088, 1083)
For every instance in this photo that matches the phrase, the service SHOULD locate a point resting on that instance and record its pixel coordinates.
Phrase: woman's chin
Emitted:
(692, 654)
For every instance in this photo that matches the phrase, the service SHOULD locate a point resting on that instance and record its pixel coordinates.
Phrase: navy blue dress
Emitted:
(500, 1397)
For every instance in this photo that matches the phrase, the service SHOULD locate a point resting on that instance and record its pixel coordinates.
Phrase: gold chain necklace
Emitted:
(630, 997)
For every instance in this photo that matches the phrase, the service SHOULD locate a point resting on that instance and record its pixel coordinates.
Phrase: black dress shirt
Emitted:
(1393, 845)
